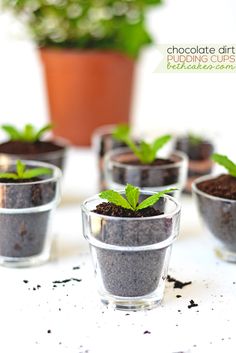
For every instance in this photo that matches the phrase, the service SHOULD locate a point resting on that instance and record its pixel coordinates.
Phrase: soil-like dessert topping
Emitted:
(223, 186)
(156, 162)
(109, 209)
(21, 147)
(20, 181)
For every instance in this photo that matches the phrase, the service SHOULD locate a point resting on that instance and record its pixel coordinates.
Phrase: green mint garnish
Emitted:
(131, 199)
(28, 134)
(146, 152)
(195, 139)
(23, 173)
(225, 162)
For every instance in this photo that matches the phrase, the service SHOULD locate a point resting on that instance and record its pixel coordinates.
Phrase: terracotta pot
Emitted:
(87, 89)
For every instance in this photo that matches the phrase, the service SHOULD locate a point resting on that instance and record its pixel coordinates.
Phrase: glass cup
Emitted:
(103, 142)
(131, 255)
(56, 158)
(199, 155)
(219, 216)
(120, 171)
(25, 214)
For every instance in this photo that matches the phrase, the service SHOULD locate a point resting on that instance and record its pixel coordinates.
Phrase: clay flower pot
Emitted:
(26, 208)
(86, 89)
(131, 255)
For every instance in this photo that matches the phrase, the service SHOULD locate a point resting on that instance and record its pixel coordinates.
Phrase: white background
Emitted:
(177, 102)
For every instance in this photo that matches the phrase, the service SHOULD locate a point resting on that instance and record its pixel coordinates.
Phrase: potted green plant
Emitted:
(141, 165)
(104, 140)
(29, 144)
(199, 151)
(29, 191)
(130, 236)
(216, 200)
(88, 49)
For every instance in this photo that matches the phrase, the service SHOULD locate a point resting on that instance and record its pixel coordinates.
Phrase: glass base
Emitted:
(131, 303)
(29, 261)
(225, 254)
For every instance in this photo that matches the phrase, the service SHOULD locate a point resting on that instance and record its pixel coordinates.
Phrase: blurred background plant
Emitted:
(86, 24)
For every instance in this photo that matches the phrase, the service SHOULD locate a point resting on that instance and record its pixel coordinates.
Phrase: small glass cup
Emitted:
(219, 216)
(199, 155)
(120, 171)
(56, 158)
(131, 255)
(103, 142)
(25, 214)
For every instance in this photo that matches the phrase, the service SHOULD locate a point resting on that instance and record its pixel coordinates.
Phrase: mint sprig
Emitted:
(23, 173)
(28, 134)
(225, 162)
(195, 139)
(131, 199)
(146, 152)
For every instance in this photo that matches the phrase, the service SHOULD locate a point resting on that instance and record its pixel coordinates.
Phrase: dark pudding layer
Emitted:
(223, 186)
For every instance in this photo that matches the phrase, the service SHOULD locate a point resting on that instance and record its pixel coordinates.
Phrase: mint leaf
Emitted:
(159, 143)
(132, 194)
(42, 131)
(115, 198)
(23, 173)
(150, 201)
(8, 176)
(12, 132)
(28, 134)
(146, 153)
(225, 162)
(32, 173)
(20, 169)
(121, 132)
(194, 139)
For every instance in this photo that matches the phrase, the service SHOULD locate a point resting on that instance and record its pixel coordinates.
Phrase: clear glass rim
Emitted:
(59, 141)
(196, 190)
(155, 246)
(149, 193)
(183, 159)
(104, 129)
(57, 174)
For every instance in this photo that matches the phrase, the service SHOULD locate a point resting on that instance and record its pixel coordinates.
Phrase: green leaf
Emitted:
(115, 198)
(8, 176)
(32, 173)
(146, 152)
(121, 132)
(150, 201)
(159, 143)
(132, 194)
(225, 162)
(20, 169)
(42, 131)
(28, 133)
(195, 139)
(12, 132)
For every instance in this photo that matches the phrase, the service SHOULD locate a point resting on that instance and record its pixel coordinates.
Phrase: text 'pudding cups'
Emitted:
(123, 167)
(131, 255)
(26, 207)
(219, 215)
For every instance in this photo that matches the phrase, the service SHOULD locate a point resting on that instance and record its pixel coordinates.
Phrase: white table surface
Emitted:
(79, 323)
